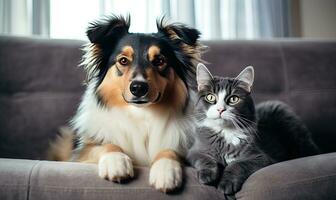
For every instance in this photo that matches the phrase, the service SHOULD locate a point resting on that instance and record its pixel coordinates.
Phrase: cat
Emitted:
(234, 138)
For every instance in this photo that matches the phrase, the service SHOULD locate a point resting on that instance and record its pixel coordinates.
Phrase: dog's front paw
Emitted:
(115, 166)
(165, 175)
(207, 176)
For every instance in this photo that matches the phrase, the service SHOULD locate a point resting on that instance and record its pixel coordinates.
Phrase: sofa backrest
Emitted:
(41, 85)
(300, 72)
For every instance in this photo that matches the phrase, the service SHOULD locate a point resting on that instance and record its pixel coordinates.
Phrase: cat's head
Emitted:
(226, 101)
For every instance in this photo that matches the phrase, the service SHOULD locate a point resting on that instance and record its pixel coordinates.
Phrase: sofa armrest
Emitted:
(306, 178)
(15, 177)
(27, 179)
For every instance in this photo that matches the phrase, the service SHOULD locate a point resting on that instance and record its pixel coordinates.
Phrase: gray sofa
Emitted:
(40, 88)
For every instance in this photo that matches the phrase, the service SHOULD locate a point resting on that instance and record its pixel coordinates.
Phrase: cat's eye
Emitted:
(211, 98)
(233, 100)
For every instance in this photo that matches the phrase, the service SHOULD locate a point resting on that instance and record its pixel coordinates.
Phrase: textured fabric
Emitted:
(306, 178)
(300, 72)
(47, 180)
(40, 88)
(310, 178)
(15, 178)
(41, 85)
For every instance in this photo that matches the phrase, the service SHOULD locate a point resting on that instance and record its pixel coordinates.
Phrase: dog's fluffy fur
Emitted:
(116, 128)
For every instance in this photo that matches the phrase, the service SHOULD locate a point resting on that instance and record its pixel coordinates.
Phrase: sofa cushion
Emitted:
(300, 72)
(15, 178)
(40, 88)
(310, 178)
(49, 180)
(41, 85)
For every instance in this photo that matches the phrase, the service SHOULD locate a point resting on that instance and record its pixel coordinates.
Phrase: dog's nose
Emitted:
(139, 88)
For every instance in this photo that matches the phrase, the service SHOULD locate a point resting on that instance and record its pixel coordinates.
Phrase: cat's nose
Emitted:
(221, 110)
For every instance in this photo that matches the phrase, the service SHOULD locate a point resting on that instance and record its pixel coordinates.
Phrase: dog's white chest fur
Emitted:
(140, 132)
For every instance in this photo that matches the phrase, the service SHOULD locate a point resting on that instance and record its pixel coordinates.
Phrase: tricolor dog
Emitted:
(137, 104)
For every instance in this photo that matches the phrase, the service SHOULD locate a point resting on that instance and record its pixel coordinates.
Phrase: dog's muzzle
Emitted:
(139, 88)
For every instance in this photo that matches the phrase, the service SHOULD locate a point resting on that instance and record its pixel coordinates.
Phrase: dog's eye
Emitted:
(123, 61)
(211, 98)
(233, 100)
(159, 62)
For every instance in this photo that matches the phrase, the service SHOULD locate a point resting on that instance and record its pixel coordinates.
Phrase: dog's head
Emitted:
(141, 69)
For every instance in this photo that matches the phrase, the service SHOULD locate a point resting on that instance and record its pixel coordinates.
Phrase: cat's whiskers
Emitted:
(252, 128)
(244, 120)
(242, 125)
(243, 117)
(249, 130)
(236, 125)
(232, 118)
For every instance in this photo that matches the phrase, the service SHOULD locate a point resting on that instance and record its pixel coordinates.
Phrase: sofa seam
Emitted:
(42, 93)
(300, 91)
(30, 177)
(285, 71)
(304, 181)
(103, 188)
(13, 185)
(216, 194)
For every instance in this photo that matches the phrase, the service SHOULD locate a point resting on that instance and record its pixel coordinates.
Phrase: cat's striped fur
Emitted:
(238, 137)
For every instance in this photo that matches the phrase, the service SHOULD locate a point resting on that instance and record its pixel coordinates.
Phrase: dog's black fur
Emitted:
(111, 33)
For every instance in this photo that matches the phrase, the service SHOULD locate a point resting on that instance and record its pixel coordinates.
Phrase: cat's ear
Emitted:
(204, 78)
(247, 76)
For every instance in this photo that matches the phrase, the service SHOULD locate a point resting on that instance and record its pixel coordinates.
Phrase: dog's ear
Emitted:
(108, 30)
(179, 32)
(186, 47)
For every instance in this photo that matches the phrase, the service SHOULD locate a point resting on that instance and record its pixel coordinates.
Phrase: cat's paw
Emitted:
(115, 166)
(230, 184)
(165, 175)
(207, 176)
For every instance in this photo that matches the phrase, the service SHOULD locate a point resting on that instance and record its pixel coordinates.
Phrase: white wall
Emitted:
(318, 18)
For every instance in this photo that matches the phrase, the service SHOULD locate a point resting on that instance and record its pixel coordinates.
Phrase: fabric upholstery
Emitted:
(41, 86)
(300, 72)
(15, 178)
(47, 180)
(310, 178)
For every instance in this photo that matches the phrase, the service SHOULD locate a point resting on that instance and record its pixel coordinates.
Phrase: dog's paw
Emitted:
(115, 166)
(165, 175)
(207, 176)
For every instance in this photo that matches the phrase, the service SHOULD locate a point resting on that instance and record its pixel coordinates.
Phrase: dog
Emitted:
(138, 99)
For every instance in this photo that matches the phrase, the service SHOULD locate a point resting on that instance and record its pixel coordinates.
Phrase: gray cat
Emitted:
(234, 138)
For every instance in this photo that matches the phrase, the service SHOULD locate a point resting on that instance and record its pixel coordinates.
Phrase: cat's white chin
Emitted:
(215, 123)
